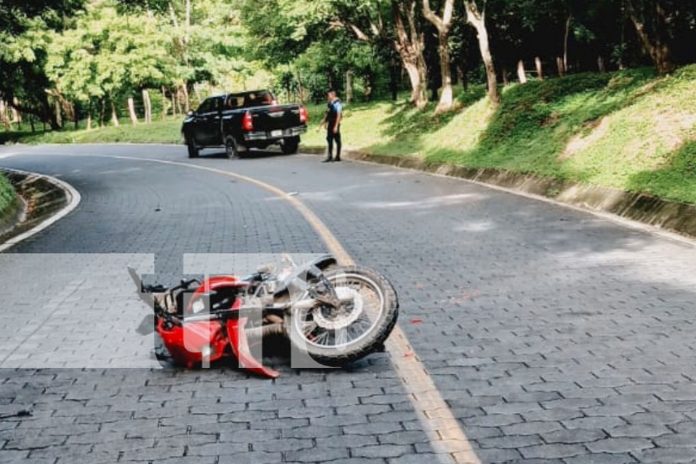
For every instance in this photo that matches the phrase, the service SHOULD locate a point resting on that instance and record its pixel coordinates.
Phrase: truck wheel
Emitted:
(291, 145)
(193, 150)
(231, 150)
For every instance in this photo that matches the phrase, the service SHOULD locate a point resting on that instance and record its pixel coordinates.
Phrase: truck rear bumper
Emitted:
(274, 135)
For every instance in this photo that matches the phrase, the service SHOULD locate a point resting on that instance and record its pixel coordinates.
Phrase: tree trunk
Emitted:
(147, 104)
(461, 76)
(654, 41)
(505, 77)
(3, 116)
(446, 96)
(175, 102)
(394, 82)
(443, 24)
(478, 20)
(114, 115)
(600, 64)
(187, 100)
(565, 43)
(16, 115)
(417, 78)
(409, 44)
(349, 86)
(59, 114)
(539, 68)
(561, 66)
(131, 111)
(165, 102)
(521, 73)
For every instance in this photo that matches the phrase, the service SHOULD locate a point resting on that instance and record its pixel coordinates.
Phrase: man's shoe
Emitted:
(327, 160)
(337, 160)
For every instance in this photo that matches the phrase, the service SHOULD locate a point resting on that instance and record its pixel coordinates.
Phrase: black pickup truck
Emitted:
(240, 121)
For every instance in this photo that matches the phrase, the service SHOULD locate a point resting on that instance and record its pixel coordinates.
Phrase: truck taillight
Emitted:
(248, 122)
(304, 115)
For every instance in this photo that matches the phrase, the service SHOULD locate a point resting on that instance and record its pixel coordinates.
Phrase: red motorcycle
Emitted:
(332, 315)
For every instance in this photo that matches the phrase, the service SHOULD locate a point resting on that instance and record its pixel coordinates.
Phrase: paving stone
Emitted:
(552, 451)
(573, 436)
(317, 455)
(620, 445)
(601, 458)
(381, 451)
(639, 430)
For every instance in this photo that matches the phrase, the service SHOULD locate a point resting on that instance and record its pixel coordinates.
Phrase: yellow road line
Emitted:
(446, 435)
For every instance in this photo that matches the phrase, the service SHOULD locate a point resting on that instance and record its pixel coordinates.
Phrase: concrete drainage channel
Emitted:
(41, 201)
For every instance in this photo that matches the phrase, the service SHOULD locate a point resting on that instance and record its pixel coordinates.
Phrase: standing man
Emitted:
(332, 121)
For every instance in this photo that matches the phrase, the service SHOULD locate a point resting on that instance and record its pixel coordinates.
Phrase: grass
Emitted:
(160, 131)
(7, 194)
(630, 130)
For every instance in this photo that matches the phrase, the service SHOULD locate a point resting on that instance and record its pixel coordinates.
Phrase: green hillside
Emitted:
(630, 130)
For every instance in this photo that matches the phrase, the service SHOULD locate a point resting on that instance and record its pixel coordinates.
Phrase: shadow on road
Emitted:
(250, 155)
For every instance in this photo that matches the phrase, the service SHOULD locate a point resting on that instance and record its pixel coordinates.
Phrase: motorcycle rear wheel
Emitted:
(336, 340)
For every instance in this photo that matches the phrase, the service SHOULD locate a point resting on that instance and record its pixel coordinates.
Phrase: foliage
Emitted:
(107, 54)
(24, 30)
(7, 194)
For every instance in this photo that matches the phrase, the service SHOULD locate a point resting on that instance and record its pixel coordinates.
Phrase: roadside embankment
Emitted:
(35, 200)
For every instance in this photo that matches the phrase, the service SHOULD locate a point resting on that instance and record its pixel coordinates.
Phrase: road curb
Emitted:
(46, 201)
(663, 214)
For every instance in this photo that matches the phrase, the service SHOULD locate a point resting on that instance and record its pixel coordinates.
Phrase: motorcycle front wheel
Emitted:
(336, 337)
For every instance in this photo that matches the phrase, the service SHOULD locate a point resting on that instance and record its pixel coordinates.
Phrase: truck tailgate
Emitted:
(276, 117)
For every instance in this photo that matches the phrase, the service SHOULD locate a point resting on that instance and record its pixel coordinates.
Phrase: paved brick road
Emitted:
(554, 336)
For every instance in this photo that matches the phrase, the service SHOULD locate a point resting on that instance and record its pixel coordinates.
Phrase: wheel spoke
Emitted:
(322, 338)
(341, 337)
(308, 327)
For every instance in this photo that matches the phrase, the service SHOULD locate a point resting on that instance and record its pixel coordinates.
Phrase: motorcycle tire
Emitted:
(372, 341)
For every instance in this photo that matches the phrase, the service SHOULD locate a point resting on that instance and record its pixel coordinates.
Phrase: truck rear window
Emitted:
(249, 99)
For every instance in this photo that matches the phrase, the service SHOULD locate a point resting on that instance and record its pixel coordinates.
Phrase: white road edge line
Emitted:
(622, 221)
(74, 199)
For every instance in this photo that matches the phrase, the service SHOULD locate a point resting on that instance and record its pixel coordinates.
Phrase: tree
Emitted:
(109, 55)
(477, 18)
(409, 43)
(443, 24)
(651, 20)
(24, 34)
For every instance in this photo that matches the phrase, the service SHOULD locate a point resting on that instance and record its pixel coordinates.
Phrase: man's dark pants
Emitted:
(331, 138)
